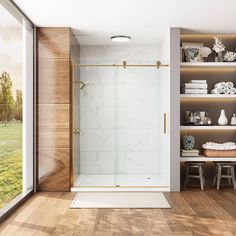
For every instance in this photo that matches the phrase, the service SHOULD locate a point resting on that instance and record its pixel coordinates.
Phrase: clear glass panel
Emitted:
(121, 124)
(16, 76)
(138, 126)
(10, 107)
(97, 107)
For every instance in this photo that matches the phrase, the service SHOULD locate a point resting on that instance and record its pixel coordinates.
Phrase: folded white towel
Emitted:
(226, 90)
(219, 146)
(232, 91)
(198, 81)
(196, 91)
(217, 91)
(230, 84)
(196, 86)
(220, 85)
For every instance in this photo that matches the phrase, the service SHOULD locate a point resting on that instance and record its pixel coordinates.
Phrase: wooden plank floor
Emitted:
(193, 212)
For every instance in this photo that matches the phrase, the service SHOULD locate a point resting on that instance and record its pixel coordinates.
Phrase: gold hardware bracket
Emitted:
(124, 64)
(158, 64)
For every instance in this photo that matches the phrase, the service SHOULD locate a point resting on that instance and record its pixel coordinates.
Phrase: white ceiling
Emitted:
(95, 21)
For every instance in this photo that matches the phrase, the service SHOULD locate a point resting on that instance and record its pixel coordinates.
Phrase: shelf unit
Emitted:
(213, 72)
(188, 97)
(212, 127)
(208, 64)
(207, 159)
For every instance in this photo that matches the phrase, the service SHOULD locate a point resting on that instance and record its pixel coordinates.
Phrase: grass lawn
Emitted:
(10, 162)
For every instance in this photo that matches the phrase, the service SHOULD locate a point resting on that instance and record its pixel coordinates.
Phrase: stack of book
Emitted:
(196, 87)
(190, 153)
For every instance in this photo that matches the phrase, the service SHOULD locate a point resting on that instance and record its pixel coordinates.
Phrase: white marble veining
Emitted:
(99, 95)
(97, 117)
(97, 162)
(142, 140)
(119, 113)
(138, 117)
(135, 163)
(97, 140)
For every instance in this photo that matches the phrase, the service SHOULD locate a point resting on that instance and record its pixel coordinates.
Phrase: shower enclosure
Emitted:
(120, 125)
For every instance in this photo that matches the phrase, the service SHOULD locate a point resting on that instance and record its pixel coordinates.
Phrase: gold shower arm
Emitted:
(83, 83)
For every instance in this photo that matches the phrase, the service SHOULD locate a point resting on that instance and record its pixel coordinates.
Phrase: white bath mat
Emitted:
(119, 200)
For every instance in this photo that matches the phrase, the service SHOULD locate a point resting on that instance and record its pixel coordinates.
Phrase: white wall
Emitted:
(120, 111)
(28, 107)
(175, 109)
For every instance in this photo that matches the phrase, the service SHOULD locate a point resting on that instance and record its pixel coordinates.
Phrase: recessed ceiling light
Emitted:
(120, 38)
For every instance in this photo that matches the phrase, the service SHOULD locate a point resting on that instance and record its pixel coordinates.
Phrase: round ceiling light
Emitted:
(120, 38)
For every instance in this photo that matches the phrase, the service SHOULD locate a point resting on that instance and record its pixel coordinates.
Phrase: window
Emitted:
(16, 106)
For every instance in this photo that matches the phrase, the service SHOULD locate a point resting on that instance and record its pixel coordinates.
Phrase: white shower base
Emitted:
(120, 183)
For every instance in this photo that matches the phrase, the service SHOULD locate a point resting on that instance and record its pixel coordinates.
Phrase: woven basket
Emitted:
(219, 153)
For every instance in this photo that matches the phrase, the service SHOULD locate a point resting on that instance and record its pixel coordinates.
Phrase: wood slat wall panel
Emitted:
(54, 138)
(54, 85)
(53, 169)
(53, 42)
(53, 119)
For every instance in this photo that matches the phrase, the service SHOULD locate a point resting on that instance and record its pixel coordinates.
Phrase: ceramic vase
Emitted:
(219, 57)
(222, 119)
(188, 142)
(233, 120)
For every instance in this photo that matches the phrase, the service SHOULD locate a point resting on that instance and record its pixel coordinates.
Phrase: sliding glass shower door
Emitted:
(138, 124)
(121, 126)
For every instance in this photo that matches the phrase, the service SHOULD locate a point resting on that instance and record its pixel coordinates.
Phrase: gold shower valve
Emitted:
(76, 130)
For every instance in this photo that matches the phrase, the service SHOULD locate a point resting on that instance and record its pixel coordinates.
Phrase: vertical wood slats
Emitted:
(54, 142)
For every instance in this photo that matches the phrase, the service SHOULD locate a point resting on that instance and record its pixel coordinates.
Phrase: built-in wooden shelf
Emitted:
(208, 64)
(189, 97)
(209, 159)
(213, 127)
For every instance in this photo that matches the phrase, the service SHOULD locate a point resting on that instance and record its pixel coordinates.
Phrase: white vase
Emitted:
(222, 119)
(233, 120)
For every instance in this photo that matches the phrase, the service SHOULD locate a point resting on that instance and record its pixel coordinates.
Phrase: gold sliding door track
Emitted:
(124, 65)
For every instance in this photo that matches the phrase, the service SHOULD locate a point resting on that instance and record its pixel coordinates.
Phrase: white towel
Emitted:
(216, 91)
(219, 146)
(198, 81)
(196, 91)
(230, 84)
(195, 86)
(226, 90)
(220, 85)
(232, 91)
(223, 89)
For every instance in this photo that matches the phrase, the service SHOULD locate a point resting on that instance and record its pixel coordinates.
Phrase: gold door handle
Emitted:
(76, 130)
(164, 131)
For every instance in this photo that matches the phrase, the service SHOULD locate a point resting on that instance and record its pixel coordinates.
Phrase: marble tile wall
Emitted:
(119, 112)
